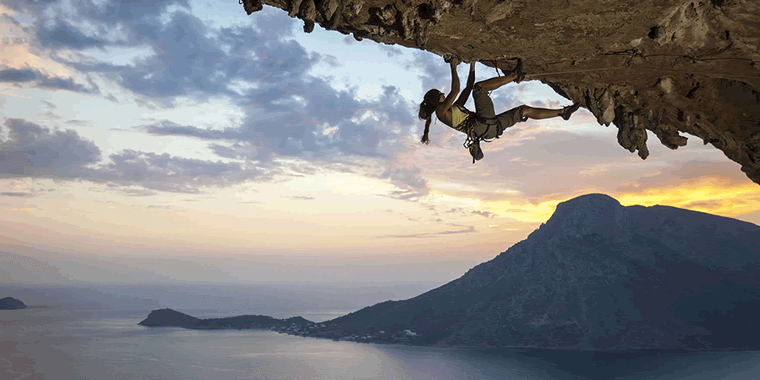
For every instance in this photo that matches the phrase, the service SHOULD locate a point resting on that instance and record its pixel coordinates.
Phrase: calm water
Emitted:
(53, 343)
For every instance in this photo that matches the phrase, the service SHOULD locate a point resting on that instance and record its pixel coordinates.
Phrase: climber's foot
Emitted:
(518, 71)
(567, 111)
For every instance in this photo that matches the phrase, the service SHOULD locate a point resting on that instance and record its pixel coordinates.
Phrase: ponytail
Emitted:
(427, 107)
(425, 139)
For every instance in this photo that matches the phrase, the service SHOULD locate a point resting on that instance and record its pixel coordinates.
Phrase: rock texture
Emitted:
(668, 66)
(9, 303)
(595, 276)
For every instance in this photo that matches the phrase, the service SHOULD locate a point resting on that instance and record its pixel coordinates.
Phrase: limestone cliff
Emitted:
(667, 66)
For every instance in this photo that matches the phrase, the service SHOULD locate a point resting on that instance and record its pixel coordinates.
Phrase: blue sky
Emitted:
(190, 142)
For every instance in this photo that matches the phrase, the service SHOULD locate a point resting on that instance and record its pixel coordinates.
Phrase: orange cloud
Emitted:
(15, 52)
(710, 194)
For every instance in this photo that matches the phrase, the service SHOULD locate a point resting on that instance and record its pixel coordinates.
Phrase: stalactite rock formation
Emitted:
(668, 66)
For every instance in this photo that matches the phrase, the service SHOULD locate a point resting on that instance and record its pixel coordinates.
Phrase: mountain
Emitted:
(596, 276)
(9, 303)
(172, 318)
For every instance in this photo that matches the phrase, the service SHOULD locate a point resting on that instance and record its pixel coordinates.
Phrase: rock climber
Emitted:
(483, 123)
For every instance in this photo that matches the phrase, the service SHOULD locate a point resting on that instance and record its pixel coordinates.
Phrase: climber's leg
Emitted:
(541, 113)
(483, 103)
(494, 83)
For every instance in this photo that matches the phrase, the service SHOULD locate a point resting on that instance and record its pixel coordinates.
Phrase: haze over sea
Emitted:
(92, 333)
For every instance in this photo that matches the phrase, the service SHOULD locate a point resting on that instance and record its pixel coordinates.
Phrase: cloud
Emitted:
(60, 33)
(174, 174)
(34, 151)
(17, 194)
(165, 207)
(680, 172)
(188, 58)
(409, 180)
(460, 210)
(435, 74)
(546, 164)
(471, 229)
(39, 79)
(391, 51)
(288, 113)
(78, 123)
(486, 214)
(302, 197)
(271, 130)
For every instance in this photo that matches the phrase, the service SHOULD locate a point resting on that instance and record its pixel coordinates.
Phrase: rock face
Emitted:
(172, 318)
(667, 66)
(595, 276)
(9, 303)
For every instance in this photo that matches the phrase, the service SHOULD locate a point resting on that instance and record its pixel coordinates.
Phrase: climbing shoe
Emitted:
(567, 111)
(518, 71)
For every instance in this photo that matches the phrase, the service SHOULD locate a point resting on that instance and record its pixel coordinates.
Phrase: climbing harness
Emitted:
(472, 143)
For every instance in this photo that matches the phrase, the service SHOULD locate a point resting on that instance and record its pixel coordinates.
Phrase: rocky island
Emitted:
(10, 303)
(596, 276)
(172, 318)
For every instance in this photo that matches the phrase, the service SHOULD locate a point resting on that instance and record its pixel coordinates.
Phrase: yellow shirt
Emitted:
(458, 115)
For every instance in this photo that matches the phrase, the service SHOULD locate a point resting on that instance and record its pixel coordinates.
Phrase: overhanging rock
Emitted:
(667, 66)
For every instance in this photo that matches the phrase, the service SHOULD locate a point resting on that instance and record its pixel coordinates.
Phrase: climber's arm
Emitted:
(468, 88)
(454, 87)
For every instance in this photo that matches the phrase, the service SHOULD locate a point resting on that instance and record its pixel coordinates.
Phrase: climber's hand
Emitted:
(451, 59)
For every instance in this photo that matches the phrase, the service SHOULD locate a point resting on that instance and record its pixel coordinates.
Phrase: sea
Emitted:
(64, 342)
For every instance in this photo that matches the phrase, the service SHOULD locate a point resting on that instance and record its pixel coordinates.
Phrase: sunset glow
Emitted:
(195, 134)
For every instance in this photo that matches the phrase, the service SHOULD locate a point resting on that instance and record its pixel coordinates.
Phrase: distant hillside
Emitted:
(9, 303)
(595, 276)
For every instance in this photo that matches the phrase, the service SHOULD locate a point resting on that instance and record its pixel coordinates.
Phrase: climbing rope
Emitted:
(494, 62)
(645, 68)
(497, 74)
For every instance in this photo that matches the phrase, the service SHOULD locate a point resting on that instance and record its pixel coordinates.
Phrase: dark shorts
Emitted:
(484, 108)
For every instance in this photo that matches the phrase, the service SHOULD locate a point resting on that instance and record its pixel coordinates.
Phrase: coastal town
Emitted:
(334, 332)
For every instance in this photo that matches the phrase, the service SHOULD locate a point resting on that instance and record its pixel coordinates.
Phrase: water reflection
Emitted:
(56, 344)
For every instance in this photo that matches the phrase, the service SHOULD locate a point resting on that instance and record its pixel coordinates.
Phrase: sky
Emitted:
(184, 141)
